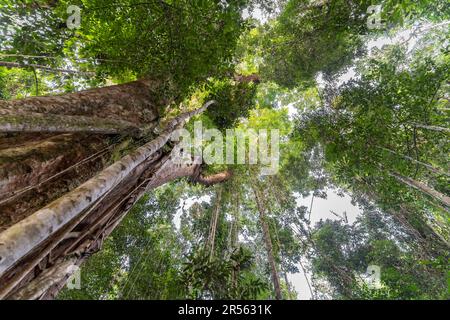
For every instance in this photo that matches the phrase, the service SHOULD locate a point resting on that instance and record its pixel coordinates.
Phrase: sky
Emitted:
(321, 209)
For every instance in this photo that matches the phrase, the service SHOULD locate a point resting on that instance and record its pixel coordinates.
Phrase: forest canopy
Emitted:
(352, 96)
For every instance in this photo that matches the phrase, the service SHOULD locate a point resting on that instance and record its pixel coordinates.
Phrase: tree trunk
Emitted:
(37, 122)
(235, 238)
(426, 236)
(268, 242)
(423, 187)
(426, 165)
(213, 224)
(134, 102)
(432, 128)
(38, 66)
(79, 202)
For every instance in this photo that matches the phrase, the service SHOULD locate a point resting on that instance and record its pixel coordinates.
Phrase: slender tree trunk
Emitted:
(426, 165)
(268, 242)
(213, 224)
(422, 187)
(37, 122)
(432, 128)
(425, 234)
(235, 239)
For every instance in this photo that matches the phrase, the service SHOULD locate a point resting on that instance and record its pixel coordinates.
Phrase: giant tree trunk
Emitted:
(268, 242)
(62, 194)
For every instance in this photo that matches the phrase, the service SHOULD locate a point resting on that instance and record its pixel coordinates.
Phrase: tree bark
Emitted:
(38, 122)
(424, 234)
(69, 198)
(213, 224)
(22, 237)
(432, 128)
(214, 178)
(46, 279)
(135, 102)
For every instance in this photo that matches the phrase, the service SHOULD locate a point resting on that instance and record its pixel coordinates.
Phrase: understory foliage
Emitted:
(368, 124)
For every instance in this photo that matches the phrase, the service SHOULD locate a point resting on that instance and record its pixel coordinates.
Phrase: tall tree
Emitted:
(82, 181)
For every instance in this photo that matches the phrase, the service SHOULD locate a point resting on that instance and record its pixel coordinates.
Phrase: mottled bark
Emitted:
(426, 165)
(36, 168)
(22, 237)
(104, 217)
(134, 102)
(76, 223)
(45, 280)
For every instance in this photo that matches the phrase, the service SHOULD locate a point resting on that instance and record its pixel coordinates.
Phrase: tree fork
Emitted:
(21, 238)
(88, 242)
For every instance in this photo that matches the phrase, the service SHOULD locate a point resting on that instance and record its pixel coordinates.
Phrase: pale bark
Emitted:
(38, 122)
(426, 165)
(45, 280)
(422, 187)
(268, 242)
(213, 224)
(88, 208)
(46, 68)
(22, 237)
(432, 128)
(90, 240)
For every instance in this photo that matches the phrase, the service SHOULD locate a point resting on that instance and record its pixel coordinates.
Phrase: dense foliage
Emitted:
(370, 124)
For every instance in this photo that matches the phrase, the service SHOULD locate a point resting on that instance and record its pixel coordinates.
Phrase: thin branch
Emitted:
(38, 66)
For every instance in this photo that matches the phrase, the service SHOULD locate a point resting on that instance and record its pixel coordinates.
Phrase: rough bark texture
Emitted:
(432, 128)
(58, 201)
(36, 169)
(38, 122)
(135, 102)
